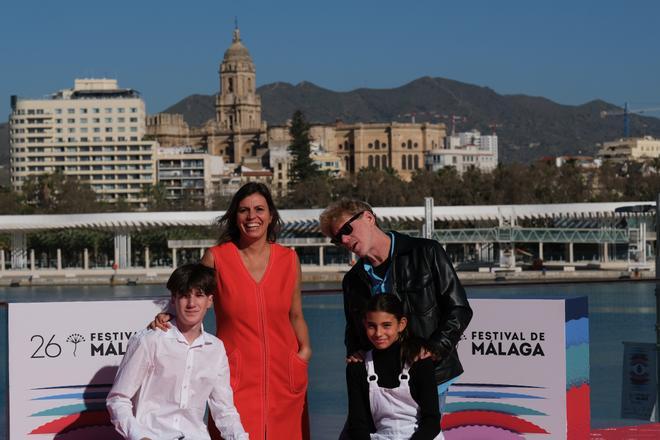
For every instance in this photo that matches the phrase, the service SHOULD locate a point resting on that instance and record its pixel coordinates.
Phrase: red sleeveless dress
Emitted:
(269, 380)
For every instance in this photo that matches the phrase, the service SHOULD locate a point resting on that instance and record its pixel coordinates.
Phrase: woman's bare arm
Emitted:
(207, 259)
(298, 320)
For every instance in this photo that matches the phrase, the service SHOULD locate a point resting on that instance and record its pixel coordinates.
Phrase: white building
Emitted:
(465, 150)
(186, 173)
(93, 131)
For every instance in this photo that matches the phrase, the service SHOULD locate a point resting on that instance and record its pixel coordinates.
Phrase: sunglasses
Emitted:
(345, 229)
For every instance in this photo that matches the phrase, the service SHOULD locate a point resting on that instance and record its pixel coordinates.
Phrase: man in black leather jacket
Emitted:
(417, 270)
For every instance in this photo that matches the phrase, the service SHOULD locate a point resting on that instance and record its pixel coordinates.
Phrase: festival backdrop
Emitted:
(526, 373)
(62, 361)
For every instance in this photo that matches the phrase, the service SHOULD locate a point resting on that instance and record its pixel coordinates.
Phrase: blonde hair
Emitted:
(341, 207)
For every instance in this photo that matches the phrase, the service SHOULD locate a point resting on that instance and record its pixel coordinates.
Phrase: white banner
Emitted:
(62, 361)
(526, 372)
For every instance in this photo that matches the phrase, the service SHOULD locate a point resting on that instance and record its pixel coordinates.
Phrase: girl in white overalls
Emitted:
(385, 407)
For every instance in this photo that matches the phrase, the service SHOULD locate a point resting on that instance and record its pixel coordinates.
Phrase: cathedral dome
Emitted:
(237, 52)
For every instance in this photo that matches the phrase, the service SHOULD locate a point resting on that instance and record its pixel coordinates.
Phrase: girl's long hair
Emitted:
(390, 303)
(229, 226)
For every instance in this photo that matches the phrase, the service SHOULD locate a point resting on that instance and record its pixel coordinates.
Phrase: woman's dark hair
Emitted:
(390, 303)
(229, 227)
(192, 276)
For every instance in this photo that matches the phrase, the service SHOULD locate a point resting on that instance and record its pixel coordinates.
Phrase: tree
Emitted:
(302, 167)
(156, 196)
(9, 202)
(58, 193)
(319, 196)
(380, 187)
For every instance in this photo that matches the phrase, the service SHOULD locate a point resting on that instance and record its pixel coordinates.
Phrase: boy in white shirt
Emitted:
(172, 375)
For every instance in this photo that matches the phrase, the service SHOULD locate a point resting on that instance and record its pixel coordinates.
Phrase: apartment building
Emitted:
(93, 131)
(465, 150)
(637, 149)
(186, 173)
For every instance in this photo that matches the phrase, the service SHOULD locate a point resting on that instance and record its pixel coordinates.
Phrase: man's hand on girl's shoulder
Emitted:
(358, 356)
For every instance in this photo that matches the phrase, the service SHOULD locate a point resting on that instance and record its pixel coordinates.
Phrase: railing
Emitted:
(536, 235)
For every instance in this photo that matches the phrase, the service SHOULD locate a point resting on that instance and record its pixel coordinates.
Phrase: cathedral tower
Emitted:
(238, 107)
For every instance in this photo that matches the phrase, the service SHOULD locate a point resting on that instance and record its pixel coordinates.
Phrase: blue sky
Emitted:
(568, 51)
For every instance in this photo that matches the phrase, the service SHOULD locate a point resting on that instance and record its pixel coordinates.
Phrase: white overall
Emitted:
(394, 411)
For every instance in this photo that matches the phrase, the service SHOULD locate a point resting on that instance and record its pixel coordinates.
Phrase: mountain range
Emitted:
(528, 127)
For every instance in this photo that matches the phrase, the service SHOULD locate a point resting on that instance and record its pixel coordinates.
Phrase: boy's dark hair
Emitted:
(390, 303)
(192, 276)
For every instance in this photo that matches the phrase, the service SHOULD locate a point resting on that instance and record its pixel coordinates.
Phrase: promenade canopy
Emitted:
(303, 220)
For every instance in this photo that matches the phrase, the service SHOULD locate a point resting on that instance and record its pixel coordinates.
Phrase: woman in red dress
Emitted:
(259, 318)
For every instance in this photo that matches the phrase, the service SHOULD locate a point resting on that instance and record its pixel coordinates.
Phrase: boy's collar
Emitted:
(202, 339)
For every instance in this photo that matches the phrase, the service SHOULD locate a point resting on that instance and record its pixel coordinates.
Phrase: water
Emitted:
(618, 311)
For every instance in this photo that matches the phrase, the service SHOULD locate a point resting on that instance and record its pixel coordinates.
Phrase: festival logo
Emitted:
(75, 339)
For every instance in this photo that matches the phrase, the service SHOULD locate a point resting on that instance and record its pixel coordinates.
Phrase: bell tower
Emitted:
(238, 107)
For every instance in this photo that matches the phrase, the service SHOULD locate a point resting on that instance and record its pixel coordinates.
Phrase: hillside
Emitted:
(528, 127)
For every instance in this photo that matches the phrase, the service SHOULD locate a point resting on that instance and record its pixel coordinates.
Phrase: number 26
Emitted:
(51, 349)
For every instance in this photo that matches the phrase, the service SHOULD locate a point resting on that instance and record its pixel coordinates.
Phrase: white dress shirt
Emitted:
(171, 381)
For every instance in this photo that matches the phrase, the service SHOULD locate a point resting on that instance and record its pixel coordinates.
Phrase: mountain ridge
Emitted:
(528, 127)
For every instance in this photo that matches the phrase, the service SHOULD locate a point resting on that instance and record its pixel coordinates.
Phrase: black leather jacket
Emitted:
(433, 298)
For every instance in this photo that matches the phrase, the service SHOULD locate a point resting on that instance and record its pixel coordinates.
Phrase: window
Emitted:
(120, 110)
(58, 111)
(96, 120)
(108, 110)
(121, 119)
(108, 120)
(133, 109)
(71, 121)
(96, 110)
(71, 111)
(108, 129)
(83, 120)
(83, 110)
(403, 162)
(133, 120)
